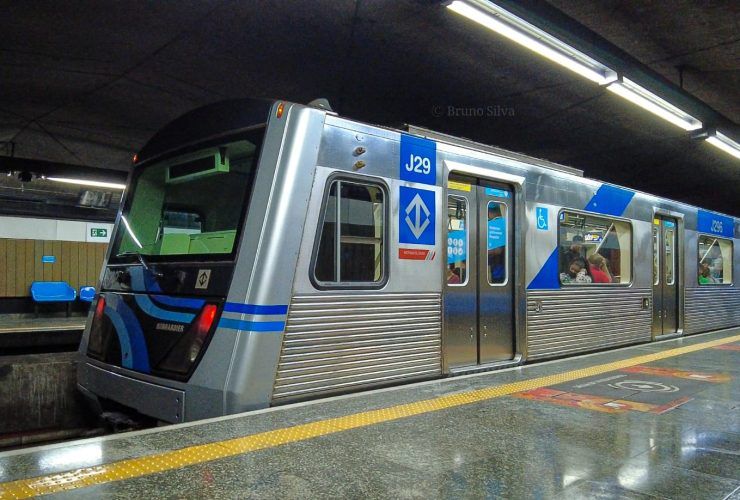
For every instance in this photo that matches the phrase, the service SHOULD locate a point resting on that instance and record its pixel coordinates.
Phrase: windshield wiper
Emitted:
(142, 260)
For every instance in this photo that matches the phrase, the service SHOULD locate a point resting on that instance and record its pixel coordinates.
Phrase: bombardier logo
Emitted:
(170, 327)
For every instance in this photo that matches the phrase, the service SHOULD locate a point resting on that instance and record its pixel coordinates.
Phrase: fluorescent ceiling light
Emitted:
(85, 182)
(724, 143)
(520, 31)
(660, 107)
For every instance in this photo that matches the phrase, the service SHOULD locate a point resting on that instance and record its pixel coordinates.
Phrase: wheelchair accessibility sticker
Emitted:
(416, 222)
(542, 222)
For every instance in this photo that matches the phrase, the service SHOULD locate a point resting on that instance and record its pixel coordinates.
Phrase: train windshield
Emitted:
(191, 206)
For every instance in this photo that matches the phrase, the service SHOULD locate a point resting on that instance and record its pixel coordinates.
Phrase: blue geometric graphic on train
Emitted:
(134, 353)
(720, 225)
(608, 200)
(547, 278)
(418, 160)
(416, 216)
(150, 308)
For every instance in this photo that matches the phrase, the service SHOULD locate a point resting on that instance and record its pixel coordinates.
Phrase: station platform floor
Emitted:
(657, 420)
(12, 323)
(19, 332)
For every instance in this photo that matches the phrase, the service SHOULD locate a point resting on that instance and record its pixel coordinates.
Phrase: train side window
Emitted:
(594, 250)
(457, 241)
(497, 247)
(715, 261)
(670, 251)
(352, 251)
(656, 252)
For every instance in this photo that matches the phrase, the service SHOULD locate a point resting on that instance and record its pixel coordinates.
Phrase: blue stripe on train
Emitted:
(254, 309)
(608, 200)
(254, 326)
(179, 302)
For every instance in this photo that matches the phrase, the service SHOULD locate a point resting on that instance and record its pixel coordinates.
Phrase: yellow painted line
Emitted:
(175, 459)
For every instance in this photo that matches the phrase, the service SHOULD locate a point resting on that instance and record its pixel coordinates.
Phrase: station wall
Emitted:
(22, 262)
(54, 229)
(50, 250)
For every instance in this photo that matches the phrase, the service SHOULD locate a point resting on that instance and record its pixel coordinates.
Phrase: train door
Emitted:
(665, 275)
(479, 289)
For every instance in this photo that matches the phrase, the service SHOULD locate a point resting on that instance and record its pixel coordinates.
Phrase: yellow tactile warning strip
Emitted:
(175, 459)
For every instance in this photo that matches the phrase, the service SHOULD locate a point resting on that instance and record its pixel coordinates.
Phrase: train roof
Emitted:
(209, 121)
(232, 115)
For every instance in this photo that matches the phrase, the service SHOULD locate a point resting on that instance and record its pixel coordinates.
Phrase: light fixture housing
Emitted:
(85, 182)
(721, 141)
(526, 34)
(658, 106)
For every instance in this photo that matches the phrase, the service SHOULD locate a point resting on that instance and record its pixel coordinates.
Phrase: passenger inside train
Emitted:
(715, 260)
(599, 268)
(453, 275)
(577, 272)
(705, 274)
(574, 251)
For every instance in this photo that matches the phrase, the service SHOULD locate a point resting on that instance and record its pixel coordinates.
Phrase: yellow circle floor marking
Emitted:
(175, 459)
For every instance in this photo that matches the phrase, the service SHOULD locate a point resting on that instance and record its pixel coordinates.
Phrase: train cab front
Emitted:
(153, 340)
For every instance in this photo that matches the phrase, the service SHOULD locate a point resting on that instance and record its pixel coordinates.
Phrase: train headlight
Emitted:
(202, 327)
(95, 341)
(185, 352)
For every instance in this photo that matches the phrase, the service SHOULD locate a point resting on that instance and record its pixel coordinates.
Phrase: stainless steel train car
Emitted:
(269, 252)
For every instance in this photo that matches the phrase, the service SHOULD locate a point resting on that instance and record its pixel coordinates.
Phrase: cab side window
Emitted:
(351, 247)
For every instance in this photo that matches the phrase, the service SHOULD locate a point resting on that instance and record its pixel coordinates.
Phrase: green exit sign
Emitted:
(98, 232)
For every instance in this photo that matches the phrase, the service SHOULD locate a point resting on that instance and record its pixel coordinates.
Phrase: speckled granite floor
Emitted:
(564, 445)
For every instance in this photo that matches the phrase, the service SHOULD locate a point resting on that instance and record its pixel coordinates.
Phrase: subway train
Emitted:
(269, 252)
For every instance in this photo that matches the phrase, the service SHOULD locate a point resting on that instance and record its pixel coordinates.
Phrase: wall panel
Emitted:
(77, 263)
(20, 266)
(56, 269)
(30, 261)
(38, 269)
(3, 267)
(9, 270)
(74, 265)
(48, 248)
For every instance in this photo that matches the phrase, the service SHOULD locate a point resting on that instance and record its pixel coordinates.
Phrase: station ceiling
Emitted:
(89, 82)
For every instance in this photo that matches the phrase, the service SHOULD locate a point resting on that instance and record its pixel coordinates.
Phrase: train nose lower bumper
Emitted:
(163, 403)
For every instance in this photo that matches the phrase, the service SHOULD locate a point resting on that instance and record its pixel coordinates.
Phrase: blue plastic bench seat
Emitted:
(52, 291)
(87, 293)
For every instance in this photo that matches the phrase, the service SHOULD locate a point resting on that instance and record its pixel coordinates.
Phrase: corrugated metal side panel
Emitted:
(579, 320)
(711, 308)
(337, 342)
